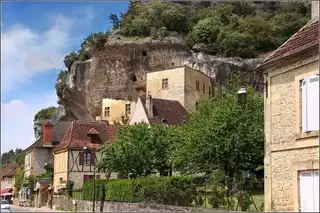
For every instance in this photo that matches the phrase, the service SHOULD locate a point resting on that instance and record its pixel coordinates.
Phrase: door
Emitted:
(309, 191)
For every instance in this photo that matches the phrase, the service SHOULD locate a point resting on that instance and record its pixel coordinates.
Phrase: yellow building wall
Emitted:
(287, 150)
(192, 95)
(117, 109)
(60, 168)
(181, 85)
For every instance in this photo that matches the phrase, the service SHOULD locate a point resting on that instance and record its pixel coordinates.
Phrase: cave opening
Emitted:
(144, 53)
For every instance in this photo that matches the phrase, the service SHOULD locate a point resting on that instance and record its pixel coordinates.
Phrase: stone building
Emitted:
(116, 111)
(183, 84)
(292, 123)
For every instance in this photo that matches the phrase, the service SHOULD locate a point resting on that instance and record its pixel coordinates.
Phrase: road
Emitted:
(19, 210)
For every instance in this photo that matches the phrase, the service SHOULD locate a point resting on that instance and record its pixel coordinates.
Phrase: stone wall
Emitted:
(61, 202)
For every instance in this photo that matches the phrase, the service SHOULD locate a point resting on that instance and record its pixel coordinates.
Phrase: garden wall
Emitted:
(62, 202)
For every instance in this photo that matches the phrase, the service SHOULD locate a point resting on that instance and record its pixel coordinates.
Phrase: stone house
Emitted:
(8, 174)
(291, 105)
(76, 156)
(116, 111)
(158, 111)
(183, 84)
(40, 152)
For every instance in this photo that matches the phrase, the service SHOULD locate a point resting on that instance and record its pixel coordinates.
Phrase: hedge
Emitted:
(180, 191)
(99, 192)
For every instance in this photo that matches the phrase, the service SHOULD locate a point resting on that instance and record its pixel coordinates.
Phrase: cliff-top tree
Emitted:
(41, 117)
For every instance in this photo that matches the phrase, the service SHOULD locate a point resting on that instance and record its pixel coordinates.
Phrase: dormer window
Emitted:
(94, 136)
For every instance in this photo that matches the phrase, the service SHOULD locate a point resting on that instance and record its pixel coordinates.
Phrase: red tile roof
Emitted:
(77, 135)
(306, 37)
(58, 132)
(171, 111)
(113, 131)
(10, 170)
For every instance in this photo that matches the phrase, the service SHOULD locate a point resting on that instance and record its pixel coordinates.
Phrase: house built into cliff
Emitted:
(117, 111)
(183, 84)
(76, 156)
(158, 111)
(292, 123)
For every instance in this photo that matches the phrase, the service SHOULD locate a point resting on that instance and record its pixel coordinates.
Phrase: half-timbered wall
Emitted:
(60, 168)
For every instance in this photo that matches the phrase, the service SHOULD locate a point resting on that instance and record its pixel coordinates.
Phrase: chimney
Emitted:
(315, 10)
(47, 134)
(149, 106)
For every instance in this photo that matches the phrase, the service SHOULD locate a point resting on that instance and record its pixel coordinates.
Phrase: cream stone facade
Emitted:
(114, 111)
(289, 151)
(184, 84)
(35, 160)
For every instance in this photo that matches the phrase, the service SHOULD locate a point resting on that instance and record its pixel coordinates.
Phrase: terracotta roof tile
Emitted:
(171, 111)
(306, 37)
(58, 132)
(10, 170)
(113, 131)
(77, 135)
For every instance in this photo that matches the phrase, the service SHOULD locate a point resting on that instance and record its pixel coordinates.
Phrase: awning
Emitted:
(6, 191)
(6, 194)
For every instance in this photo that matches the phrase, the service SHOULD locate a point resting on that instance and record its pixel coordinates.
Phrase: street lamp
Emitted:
(242, 95)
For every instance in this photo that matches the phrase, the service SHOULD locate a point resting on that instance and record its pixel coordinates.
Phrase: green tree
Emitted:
(115, 21)
(139, 150)
(70, 59)
(61, 82)
(19, 179)
(44, 114)
(223, 135)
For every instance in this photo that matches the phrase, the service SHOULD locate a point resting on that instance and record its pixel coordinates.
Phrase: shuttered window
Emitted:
(310, 104)
(80, 158)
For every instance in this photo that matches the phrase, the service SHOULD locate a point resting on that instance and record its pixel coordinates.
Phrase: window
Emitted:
(106, 111)
(87, 158)
(197, 105)
(165, 83)
(310, 104)
(198, 85)
(128, 109)
(209, 92)
(204, 88)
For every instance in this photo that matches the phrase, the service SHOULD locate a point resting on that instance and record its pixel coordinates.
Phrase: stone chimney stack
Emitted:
(47, 134)
(149, 105)
(315, 9)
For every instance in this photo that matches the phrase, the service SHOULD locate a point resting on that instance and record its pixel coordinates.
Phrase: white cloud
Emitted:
(17, 121)
(25, 52)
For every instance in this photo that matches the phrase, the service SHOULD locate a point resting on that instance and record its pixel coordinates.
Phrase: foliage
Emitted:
(19, 179)
(261, 207)
(44, 114)
(16, 155)
(232, 139)
(163, 190)
(61, 82)
(139, 150)
(245, 201)
(100, 186)
(114, 19)
(48, 172)
(69, 186)
(70, 59)
(30, 183)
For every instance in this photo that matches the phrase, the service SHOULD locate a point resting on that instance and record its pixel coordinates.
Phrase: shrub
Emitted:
(99, 189)
(69, 186)
(164, 190)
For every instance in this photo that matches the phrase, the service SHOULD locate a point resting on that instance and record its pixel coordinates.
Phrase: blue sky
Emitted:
(35, 37)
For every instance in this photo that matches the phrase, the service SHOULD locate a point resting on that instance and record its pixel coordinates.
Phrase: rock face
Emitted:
(111, 72)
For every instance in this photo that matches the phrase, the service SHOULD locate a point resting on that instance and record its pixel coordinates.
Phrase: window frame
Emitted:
(128, 109)
(107, 109)
(165, 83)
(85, 158)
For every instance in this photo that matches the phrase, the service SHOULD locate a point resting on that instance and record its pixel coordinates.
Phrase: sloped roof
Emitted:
(113, 131)
(172, 111)
(58, 132)
(77, 135)
(306, 37)
(10, 170)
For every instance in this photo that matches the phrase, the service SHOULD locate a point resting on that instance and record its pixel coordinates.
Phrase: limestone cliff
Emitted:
(113, 72)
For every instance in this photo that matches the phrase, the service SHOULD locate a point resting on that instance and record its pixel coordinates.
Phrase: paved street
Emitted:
(20, 210)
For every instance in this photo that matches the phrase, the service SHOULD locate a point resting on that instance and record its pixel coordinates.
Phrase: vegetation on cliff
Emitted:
(227, 29)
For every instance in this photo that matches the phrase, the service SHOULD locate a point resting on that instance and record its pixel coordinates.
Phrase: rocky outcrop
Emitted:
(111, 72)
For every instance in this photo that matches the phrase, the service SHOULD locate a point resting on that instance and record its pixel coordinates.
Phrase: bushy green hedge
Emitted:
(99, 190)
(161, 190)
